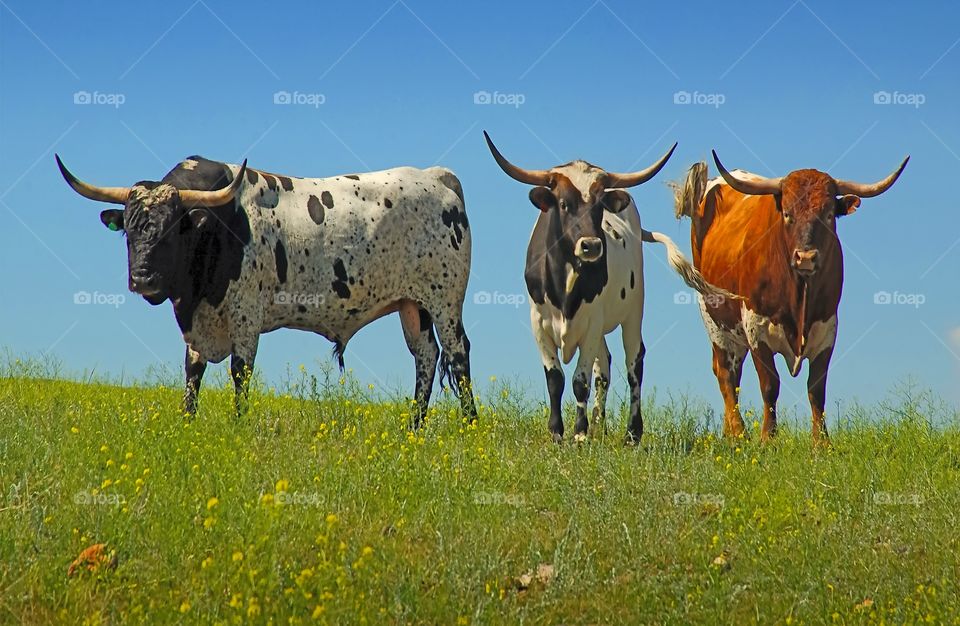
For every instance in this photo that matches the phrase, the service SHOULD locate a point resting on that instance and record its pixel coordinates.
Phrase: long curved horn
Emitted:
(531, 177)
(113, 195)
(753, 187)
(872, 189)
(197, 199)
(635, 178)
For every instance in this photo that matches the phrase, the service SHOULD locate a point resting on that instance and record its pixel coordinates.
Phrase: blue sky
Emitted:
(777, 86)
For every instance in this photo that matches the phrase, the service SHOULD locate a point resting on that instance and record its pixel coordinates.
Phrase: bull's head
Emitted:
(809, 202)
(575, 196)
(156, 218)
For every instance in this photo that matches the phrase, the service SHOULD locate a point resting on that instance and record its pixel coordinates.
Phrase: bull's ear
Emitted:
(615, 201)
(543, 198)
(198, 217)
(112, 219)
(847, 204)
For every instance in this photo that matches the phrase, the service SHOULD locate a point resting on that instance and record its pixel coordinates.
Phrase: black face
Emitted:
(155, 224)
(578, 218)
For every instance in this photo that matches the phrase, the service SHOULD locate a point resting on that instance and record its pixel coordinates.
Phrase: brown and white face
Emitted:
(809, 202)
(155, 218)
(575, 196)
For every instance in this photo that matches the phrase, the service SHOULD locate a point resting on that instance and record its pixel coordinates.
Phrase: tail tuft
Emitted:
(338, 349)
(446, 374)
(687, 196)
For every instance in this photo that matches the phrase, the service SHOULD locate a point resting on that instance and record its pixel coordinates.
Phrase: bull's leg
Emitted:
(635, 350)
(194, 366)
(418, 333)
(589, 353)
(817, 392)
(763, 360)
(456, 352)
(601, 383)
(728, 367)
(241, 370)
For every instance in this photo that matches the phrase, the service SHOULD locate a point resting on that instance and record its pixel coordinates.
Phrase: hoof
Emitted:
(557, 438)
(580, 438)
(632, 439)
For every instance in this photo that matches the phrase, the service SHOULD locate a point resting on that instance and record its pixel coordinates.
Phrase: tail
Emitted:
(687, 196)
(687, 271)
(338, 349)
(446, 374)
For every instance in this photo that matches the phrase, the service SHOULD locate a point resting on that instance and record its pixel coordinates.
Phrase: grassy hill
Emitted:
(320, 505)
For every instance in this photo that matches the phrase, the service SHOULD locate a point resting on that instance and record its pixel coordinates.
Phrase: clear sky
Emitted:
(124, 90)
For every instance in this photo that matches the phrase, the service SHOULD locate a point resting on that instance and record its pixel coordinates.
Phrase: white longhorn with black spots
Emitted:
(584, 273)
(240, 252)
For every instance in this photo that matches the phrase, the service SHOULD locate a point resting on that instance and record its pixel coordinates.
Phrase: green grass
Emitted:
(318, 504)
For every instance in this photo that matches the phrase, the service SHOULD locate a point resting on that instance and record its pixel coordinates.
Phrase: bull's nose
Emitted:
(805, 260)
(142, 280)
(589, 248)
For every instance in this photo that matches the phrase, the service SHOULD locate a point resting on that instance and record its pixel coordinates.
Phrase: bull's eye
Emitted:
(788, 218)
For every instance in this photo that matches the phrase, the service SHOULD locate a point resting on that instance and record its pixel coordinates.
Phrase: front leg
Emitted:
(817, 393)
(241, 370)
(553, 372)
(194, 366)
(589, 353)
(763, 361)
(601, 383)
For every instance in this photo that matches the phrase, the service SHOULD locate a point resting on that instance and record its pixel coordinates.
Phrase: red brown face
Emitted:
(809, 202)
(809, 207)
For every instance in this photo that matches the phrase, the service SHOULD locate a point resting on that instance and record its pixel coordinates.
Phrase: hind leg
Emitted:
(194, 366)
(418, 333)
(241, 371)
(456, 352)
(635, 350)
(601, 383)
(728, 367)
